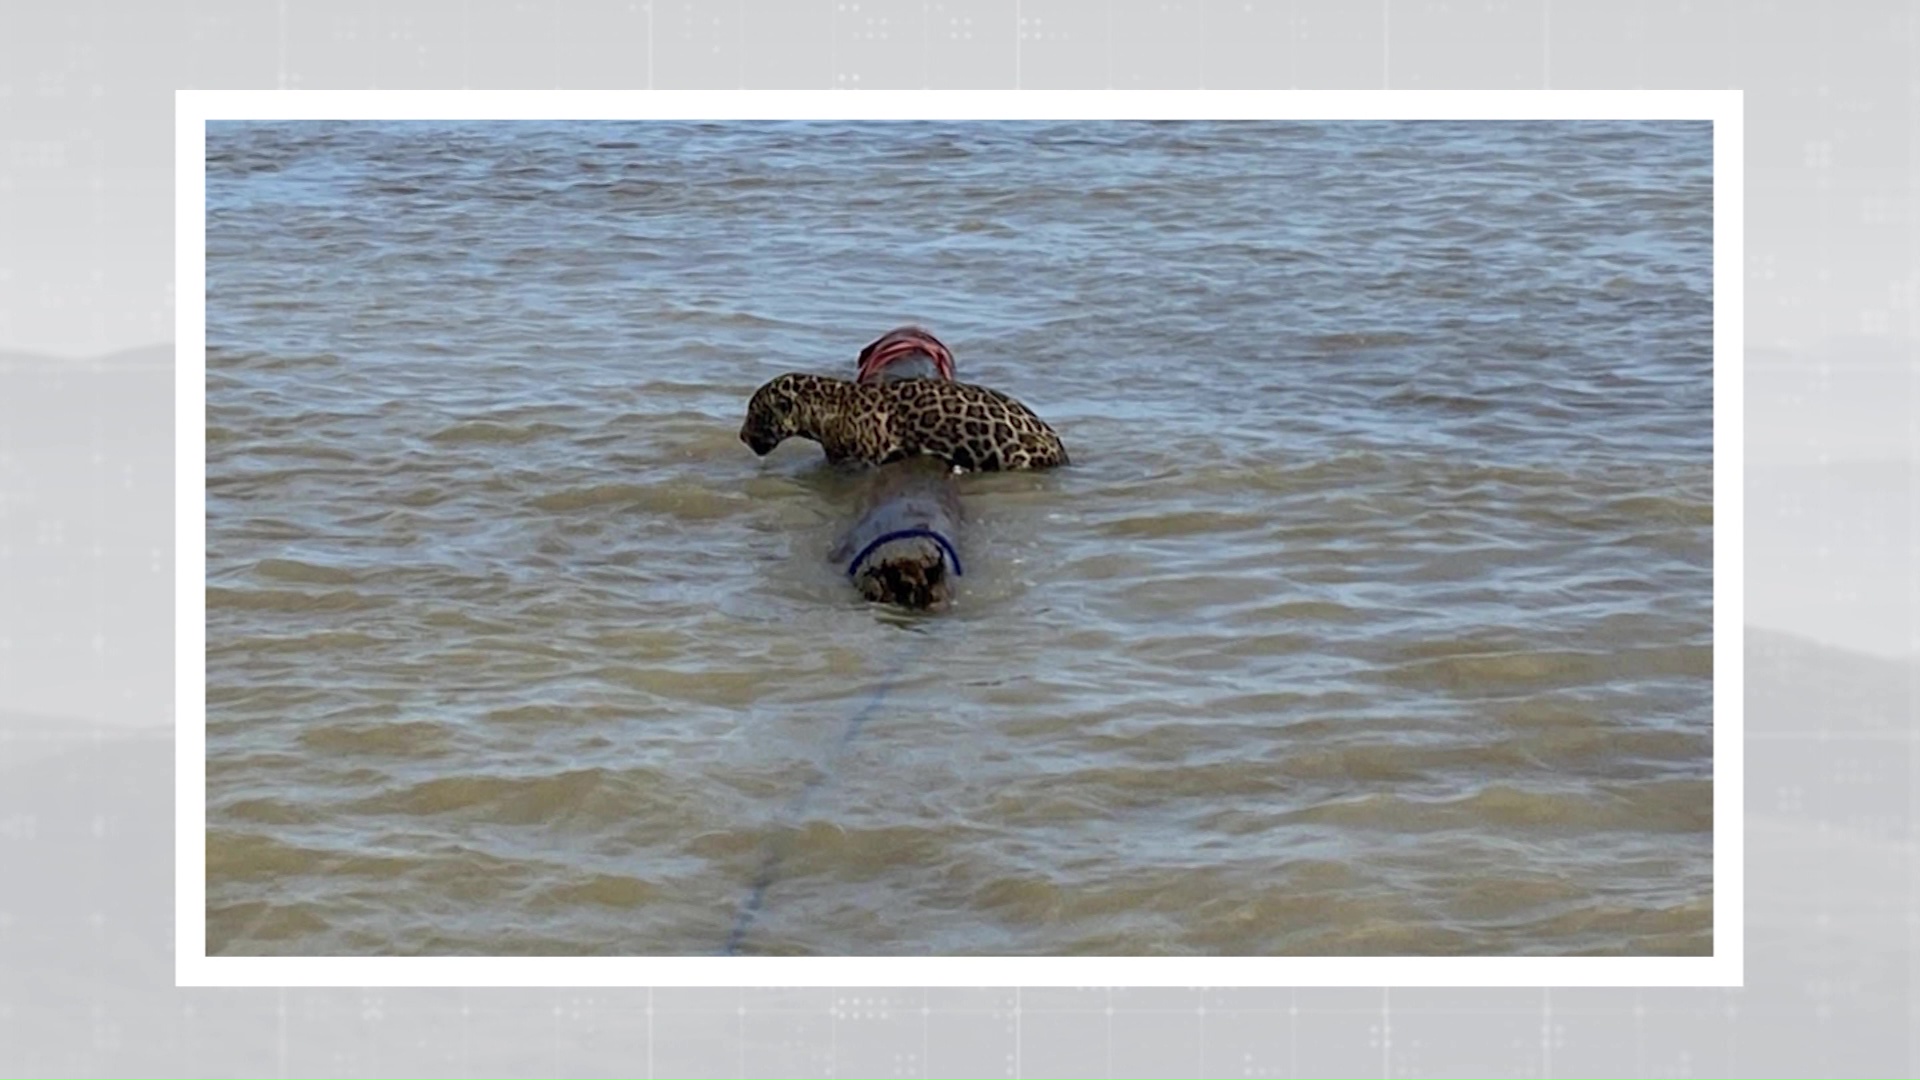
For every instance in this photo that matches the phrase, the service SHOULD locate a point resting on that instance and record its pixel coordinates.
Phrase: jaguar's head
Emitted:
(778, 411)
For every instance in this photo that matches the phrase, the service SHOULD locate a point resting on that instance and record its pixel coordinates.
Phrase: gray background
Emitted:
(1833, 285)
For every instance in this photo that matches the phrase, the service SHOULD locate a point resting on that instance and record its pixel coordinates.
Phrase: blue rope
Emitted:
(946, 545)
(776, 848)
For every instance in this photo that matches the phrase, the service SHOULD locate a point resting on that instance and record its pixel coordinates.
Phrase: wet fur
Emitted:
(971, 427)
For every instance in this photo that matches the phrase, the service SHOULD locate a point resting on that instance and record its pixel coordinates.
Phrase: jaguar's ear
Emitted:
(780, 396)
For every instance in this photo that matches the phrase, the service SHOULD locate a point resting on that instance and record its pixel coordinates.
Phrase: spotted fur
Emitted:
(972, 427)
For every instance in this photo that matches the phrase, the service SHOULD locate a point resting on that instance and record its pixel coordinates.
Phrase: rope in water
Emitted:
(946, 545)
(776, 848)
(893, 345)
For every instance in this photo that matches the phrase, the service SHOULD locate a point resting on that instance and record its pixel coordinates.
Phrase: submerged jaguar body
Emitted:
(971, 427)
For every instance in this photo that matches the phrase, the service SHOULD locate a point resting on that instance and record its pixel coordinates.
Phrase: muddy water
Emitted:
(1372, 617)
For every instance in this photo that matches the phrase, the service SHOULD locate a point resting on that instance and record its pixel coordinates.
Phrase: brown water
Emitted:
(1374, 615)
